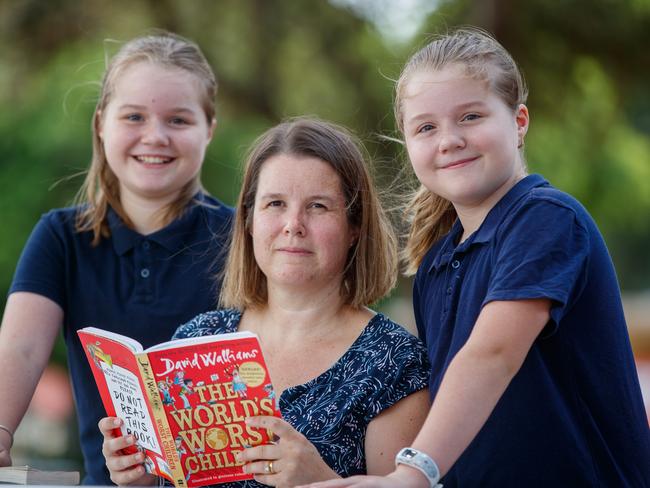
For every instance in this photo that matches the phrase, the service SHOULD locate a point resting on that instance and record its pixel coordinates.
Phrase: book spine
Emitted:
(160, 421)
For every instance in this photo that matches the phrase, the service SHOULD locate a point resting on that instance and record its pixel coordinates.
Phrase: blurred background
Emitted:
(584, 60)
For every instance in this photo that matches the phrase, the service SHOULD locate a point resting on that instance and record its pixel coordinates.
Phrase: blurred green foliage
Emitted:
(586, 62)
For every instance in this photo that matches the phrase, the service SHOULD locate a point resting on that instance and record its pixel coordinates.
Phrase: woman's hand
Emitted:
(291, 461)
(125, 469)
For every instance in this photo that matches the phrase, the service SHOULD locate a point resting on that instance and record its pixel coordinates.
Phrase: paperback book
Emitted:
(185, 401)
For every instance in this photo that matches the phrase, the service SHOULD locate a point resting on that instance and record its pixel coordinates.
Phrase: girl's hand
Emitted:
(292, 460)
(5, 455)
(402, 477)
(125, 469)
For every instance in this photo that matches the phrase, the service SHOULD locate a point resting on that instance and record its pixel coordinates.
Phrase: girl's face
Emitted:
(462, 139)
(154, 131)
(301, 234)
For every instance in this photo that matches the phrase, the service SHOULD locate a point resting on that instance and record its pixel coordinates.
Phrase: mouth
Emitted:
(153, 160)
(295, 251)
(459, 163)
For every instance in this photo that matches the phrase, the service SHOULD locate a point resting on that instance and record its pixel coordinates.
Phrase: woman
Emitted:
(311, 249)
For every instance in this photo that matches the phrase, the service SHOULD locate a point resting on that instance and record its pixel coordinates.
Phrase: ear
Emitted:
(98, 124)
(354, 235)
(213, 126)
(522, 120)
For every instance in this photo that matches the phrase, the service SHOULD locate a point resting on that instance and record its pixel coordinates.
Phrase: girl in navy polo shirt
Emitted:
(533, 379)
(138, 254)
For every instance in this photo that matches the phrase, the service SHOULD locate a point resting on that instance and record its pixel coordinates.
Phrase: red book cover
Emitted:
(185, 401)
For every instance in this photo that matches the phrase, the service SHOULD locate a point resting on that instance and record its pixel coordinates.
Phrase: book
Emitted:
(185, 401)
(26, 475)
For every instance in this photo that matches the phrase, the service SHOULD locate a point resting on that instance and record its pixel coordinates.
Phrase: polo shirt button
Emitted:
(455, 264)
(144, 273)
(449, 291)
(146, 245)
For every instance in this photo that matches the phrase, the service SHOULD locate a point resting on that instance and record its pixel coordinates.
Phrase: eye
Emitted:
(425, 128)
(275, 203)
(470, 117)
(178, 121)
(318, 205)
(134, 117)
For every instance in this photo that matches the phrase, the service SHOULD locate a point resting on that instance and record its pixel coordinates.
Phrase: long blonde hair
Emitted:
(430, 216)
(100, 188)
(371, 268)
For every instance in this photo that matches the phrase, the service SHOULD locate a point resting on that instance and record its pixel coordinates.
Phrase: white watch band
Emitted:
(420, 461)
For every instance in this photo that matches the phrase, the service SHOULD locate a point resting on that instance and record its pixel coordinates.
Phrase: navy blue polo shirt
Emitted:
(573, 415)
(140, 286)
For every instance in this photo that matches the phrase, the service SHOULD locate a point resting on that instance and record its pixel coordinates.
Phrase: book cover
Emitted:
(185, 401)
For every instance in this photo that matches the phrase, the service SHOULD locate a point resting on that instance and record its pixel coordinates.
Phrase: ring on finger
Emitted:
(268, 469)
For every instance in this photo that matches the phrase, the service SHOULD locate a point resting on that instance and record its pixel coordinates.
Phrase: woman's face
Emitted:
(301, 234)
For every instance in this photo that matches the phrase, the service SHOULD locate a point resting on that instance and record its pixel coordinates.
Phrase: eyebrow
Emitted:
(462, 106)
(131, 106)
(271, 196)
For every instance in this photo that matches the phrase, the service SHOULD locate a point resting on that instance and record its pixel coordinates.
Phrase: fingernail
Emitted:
(129, 440)
(116, 422)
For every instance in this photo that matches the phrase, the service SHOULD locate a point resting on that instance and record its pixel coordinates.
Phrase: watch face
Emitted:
(409, 453)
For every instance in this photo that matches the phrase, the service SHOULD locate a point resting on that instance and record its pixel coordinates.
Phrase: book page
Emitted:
(130, 405)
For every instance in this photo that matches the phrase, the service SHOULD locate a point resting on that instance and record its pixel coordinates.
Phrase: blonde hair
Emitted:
(371, 268)
(431, 216)
(101, 187)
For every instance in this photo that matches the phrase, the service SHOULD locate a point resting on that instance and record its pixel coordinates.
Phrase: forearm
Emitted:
(20, 375)
(478, 375)
(470, 389)
(29, 329)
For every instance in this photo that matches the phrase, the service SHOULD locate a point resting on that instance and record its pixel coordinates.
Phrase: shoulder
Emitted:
(58, 225)
(60, 218)
(210, 323)
(384, 338)
(213, 208)
(544, 203)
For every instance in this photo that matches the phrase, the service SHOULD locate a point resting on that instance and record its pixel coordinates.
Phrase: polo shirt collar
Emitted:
(171, 237)
(486, 231)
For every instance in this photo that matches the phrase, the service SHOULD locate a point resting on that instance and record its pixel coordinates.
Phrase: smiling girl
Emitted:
(139, 253)
(533, 380)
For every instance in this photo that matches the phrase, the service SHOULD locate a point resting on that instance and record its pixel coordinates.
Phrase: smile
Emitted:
(153, 159)
(459, 163)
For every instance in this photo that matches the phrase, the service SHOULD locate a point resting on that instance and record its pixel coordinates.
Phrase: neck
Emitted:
(147, 215)
(472, 215)
(297, 314)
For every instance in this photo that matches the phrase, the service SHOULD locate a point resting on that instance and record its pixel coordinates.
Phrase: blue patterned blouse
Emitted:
(384, 364)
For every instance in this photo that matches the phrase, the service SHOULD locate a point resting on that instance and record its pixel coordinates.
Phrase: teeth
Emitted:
(153, 159)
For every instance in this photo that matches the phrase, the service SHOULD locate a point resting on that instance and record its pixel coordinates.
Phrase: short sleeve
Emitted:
(209, 323)
(401, 368)
(41, 267)
(541, 253)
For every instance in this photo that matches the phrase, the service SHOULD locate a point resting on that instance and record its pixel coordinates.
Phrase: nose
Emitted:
(155, 134)
(295, 224)
(451, 139)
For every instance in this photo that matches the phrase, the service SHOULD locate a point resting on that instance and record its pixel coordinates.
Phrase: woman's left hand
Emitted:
(290, 461)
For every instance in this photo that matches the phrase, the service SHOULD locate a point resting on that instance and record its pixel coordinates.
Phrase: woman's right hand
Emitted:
(125, 469)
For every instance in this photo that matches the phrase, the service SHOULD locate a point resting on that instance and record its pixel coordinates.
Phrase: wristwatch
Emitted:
(420, 461)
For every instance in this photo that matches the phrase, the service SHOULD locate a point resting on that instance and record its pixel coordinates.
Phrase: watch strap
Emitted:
(420, 461)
